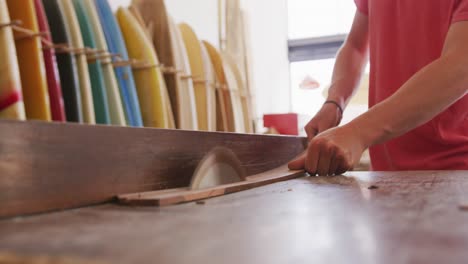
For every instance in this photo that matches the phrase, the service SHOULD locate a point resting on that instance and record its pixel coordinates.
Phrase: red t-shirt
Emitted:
(405, 36)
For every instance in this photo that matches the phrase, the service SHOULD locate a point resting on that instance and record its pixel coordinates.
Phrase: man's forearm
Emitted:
(347, 74)
(425, 95)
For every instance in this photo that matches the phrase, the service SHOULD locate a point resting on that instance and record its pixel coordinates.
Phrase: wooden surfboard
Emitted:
(57, 106)
(242, 94)
(223, 93)
(11, 97)
(155, 15)
(185, 92)
(149, 81)
(235, 36)
(93, 107)
(137, 15)
(31, 61)
(211, 79)
(116, 110)
(204, 93)
(124, 75)
(66, 62)
(233, 86)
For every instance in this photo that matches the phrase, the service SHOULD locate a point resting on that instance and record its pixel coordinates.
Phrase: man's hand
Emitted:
(328, 117)
(332, 152)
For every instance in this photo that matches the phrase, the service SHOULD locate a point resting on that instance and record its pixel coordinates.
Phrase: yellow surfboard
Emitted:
(167, 45)
(116, 111)
(149, 80)
(188, 116)
(204, 93)
(71, 21)
(31, 61)
(149, 32)
(11, 102)
(225, 114)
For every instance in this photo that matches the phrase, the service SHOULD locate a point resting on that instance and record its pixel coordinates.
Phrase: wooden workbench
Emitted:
(405, 217)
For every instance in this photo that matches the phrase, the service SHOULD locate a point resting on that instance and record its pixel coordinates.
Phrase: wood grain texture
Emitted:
(55, 166)
(412, 217)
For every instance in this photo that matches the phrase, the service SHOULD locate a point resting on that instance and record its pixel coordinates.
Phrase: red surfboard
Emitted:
(57, 106)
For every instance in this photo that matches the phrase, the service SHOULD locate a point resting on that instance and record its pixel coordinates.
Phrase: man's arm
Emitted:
(426, 94)
(350, 64)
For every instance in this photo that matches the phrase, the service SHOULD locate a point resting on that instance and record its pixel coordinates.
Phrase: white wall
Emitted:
(202, 15)
(269, 31)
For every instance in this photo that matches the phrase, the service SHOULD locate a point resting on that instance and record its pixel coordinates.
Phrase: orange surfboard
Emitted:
(31, 61)
(11, 102)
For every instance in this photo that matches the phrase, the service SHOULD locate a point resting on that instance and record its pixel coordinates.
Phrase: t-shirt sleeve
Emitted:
(363, 6)
(461, 11)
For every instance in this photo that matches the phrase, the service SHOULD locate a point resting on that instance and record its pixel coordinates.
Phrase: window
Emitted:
(317, 29)
(318, 18)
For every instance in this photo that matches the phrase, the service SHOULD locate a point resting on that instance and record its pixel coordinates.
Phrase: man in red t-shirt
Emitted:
(418, 116)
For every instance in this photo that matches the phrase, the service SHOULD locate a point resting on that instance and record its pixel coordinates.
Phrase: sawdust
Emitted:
(335, 180)
(10, 258)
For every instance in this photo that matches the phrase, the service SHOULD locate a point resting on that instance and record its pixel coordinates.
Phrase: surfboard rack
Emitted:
(26, 33)
(171, 70)
(102, 55)
(11, 23)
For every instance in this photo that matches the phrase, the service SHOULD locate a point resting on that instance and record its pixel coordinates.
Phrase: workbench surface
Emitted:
(404, 217)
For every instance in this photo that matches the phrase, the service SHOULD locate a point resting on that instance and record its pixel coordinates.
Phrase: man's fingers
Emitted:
(298, 163)
(333, 165)
(324, 162)
(312, 158)
(311, 132)
(343, 165)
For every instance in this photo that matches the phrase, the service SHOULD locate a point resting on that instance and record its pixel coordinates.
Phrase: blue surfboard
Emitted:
(124, 75)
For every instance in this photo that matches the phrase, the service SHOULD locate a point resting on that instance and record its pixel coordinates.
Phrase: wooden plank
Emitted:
(412, 217)
(164, 198)
(47, 167)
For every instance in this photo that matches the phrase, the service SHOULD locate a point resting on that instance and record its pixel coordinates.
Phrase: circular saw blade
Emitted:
(220, 166)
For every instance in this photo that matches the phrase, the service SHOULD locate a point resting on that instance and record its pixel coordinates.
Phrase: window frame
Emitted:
(316, 48)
